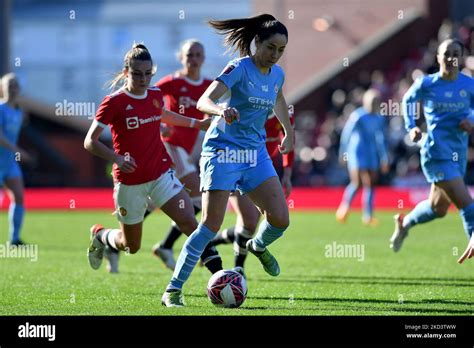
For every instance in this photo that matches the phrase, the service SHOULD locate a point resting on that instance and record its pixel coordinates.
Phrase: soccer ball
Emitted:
(227, 289)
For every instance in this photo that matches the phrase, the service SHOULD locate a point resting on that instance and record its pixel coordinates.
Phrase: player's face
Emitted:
(270, 50)
(192, 56)
(11, 88)
(449, 56)
(139, 75)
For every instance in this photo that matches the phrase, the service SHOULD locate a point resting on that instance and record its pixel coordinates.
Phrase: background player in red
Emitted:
(182, 90)
(142, 166)
(247, 214)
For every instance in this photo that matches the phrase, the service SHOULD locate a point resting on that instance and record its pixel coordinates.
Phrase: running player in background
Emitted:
(11, 118)
(234, 154)
(247, 214)
(363, 149)
(182, 90)
(448, 98)
(142, 167)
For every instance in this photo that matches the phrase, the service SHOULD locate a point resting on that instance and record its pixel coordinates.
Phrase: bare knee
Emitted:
(279, 220)
(132, 248)
(187, 224)
(440, 209)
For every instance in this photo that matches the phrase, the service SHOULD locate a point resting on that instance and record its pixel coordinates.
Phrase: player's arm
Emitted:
(92, 144)
(174, 119)
(411, 97)
(281, 112)
(288, 160)
(381, 148)
(207, 103)
(346, 135)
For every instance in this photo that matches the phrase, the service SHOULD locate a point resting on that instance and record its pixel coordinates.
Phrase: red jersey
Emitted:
(275, 134)
(135, 125)
(181, 96)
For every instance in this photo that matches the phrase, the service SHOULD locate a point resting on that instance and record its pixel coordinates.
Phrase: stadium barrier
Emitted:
(386, 198)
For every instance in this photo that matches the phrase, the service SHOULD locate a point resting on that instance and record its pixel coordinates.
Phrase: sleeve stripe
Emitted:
(100, 124)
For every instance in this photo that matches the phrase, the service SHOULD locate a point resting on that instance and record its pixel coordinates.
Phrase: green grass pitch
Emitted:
(422, 279)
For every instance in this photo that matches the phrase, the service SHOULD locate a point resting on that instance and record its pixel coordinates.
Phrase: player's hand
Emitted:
(469, 252)
(466, 125)
(286, 184)
(230, 115)
(286, 145)
(415, 134)
(126, 163)
(384, 168)
(204, 124)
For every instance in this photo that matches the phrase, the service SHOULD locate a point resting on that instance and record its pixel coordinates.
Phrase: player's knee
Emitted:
(187, 224)
(279, 220)
(132, 248)
(440, 211)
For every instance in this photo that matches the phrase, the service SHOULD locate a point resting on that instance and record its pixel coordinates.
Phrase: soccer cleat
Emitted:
(268, 261)
(341, 214)
(173, 299)
(95, 253)
(400, 233)
(18, 243)
(112, 257)
(240, 270)
(370, 221)
(165, 255)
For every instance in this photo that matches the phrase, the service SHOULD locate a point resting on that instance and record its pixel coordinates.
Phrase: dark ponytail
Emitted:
(239, 32)
(138, 52)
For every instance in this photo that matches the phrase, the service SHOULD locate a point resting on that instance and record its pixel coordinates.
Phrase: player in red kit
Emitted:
(248, 215)
(182, 90)
(142, 167)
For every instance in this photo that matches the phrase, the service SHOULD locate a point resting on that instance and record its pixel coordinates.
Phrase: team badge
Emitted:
(156, 103)
(123, 211)
(463, 93)
(132, 122)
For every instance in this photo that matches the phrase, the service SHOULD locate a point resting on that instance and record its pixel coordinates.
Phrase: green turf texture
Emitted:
(422, 279)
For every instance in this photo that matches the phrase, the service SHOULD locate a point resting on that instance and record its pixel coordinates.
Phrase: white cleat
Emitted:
(112, 257)
(173, 299)
(400, 233)
(165, 255)
(95, 252)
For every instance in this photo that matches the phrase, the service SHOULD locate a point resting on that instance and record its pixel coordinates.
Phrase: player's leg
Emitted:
(458, 193)
(368, 179)
(214, 206)
(15, 190)
(436, 206)
(186, 172)
(227, 235)
(349, 194)
(247, 220)
(270, 200)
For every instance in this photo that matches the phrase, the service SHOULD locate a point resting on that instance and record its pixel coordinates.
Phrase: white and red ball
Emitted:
(227, 288)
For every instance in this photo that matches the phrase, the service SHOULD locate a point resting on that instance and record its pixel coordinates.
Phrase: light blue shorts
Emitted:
(231, 170)
(442, 170)
(9, 171)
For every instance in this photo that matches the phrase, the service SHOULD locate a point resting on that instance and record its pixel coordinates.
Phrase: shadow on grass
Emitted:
(458, 282)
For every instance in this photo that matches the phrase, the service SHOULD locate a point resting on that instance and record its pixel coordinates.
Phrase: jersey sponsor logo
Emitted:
(132, 122)
(186, 101)
(129, 107)
(261, 103)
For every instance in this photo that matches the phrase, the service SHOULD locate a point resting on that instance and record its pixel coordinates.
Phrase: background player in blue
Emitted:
(234, 154)
(448, 97)
(11, 118)
(362, 147)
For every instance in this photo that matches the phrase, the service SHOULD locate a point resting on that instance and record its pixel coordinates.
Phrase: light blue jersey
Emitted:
(253, 94)
(363, 141)
(235, 156)
(10, 126)
(445, 105)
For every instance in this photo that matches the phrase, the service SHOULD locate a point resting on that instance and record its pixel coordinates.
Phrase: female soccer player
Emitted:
(141, 167)
(247, 214)
(362, 147)
(234, 154)
(182, 90)
(11, 178)
(448, 97)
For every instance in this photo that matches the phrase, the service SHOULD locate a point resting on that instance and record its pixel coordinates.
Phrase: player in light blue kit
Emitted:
(11, 119)
(448, 97)
(362, 145)
(234, 155)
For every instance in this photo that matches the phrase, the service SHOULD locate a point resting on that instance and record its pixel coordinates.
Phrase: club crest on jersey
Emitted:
(123, 211)
(132, 122)
(156, 103)
(462, 93)
(265, 88)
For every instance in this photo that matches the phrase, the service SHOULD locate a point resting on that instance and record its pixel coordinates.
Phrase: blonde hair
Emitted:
(189, 42)
(138, 52)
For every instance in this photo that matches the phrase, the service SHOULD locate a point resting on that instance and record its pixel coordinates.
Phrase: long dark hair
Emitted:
(239, 32)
